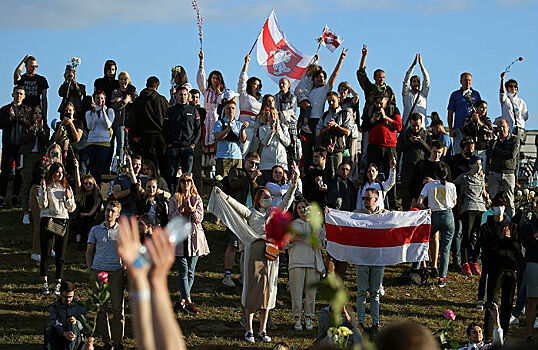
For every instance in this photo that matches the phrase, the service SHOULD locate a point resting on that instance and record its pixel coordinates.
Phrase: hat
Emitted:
(229, 94)
(474, 159)
(498, 200)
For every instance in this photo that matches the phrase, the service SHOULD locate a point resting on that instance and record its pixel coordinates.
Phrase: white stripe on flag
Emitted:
(386, 220)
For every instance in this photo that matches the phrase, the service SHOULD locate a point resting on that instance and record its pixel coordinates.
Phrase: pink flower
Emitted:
(449, 315)
(102, 277)
(276, 228)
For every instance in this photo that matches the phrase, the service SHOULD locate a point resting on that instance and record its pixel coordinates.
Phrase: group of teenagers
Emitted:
(160, 147)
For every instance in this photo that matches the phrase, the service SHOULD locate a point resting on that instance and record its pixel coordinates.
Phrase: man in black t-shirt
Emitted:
(35, 85)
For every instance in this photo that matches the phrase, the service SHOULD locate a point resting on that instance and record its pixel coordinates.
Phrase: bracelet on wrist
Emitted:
(141, 295)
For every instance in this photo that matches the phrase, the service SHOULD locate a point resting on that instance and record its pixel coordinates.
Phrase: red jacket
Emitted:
(383, 133)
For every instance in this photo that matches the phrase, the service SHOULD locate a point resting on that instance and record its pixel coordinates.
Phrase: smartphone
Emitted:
(488, 305)
(68, 68)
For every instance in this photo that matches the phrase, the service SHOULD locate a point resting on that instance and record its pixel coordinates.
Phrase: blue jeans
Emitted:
(521, 296)
(97, 156)
(443, 221)
(186, 266)
(369, 278)
(178, 158)
(119, 139)
(83, 161)
(456, 242)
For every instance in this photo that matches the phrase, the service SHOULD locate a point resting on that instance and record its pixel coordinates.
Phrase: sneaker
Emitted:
(45, 288)
(375, 330)
(475, 269)
(26, 219)
(308, 324)
(441, 283)
(536, 323)
(271, 324)
(243, 321)
(262, 336)
(249, 337)
(35, 257)
(227, 281)
(298, 325)
(382, 291)
(181, 306)
(433, 272)
(191, 308)
(480, 305)
(514, 320)
(57, 288)
(306, 129)
(466, 269)
(52, 253)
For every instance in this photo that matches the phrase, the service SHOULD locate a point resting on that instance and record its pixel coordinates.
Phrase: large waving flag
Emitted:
(378, 239)
(277, 56)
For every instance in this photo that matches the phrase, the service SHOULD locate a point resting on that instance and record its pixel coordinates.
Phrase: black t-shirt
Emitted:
(33, 87)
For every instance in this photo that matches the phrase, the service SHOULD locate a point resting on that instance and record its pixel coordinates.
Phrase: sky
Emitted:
(149, 37)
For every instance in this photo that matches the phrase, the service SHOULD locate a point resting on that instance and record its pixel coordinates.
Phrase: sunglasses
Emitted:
(368, 198)
(88, 184)
(185, 180)
(255, 163)
(512, 86)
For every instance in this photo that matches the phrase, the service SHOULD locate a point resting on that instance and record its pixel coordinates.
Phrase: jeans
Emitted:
(10, 154)
(456, 242)
(369, 278)
(60, 247)
(178, 158)
(521, 296)
(443, 221)
(500, 284)
(508, 182)
(186, 266)
(457, 139)
(97, 156)
(119, 139)
(83, 161)
(54, 341)
(310, 143)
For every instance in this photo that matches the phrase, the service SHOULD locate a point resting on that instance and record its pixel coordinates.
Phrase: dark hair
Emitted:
(480, 103)
(510, 82)
(342, 85)
(471, 326)
(252, 155)
(415, 116)
(136, 156)
(440, 173)
(114, 204)
(437, 144)
(98, 92)
(108, 64)
(466, 141)
(54, 167)
(257, 196)
(415, 77)
(332, 93)
(30, 58)
(181, 76)
(373, 190)
(67, 286)
(265, 100)
(299, 200)
(321, 150)
(365, 175)
(464, 74)
(151, 165)
(194, 92)
(18, 87)
(250, 84)
(378, 71)
(318, 73)
(153, 82)
(151, 178)
(284, 178)
(406, 335)
(219, 76)
(436, 122)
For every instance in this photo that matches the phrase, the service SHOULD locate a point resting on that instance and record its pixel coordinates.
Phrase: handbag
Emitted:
(57, 226)
(271, 251)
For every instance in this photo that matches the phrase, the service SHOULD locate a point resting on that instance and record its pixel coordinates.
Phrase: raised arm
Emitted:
(502, 88)
(425, 75)
(287, 201)
(333, 76)
(200, 77)
(407, 79)
(18, 70)
(242, 87)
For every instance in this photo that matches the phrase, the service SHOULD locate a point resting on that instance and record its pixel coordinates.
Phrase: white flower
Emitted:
(218, 178)
(526, 192)
(532, 193)
(518, 193)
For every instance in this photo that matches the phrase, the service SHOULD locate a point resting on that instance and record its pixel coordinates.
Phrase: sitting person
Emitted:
(153, 204)
(150, 170)
(348, 320)
(476, 336)
(65, 328)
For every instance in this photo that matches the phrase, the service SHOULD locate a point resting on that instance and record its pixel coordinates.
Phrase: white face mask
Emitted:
(498, 211)
(266, 203)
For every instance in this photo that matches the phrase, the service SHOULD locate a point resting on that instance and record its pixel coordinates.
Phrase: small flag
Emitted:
(330, 39)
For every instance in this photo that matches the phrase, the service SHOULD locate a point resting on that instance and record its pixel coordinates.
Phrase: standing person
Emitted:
(305, 266)
(102, 255)
(179, 79)
(99, 121)
(68, 133)
(125, 187)
(13, 117)
(274, 137)
(473, 197)
(369, 278)
(502, 153)
(188, 203)
(317, 178)
(442, 197)
(35, 85)
(229, 134)
(149, 111)
(57, 201)
(72, 91)
(502, 258)
(371, 181)
(89, 200)
(351, 103)
(249, 90)
(460, 106)
(514, 109)
(259, 274)
(108, 82)
(415, 98)
(414, 146)
(213, 88)
(198, 152)
(286, 105)
(182, 130)
(278, 185)
(439, 133)
(478, 127)
(152, 205)
(34, 143)
(121, 99)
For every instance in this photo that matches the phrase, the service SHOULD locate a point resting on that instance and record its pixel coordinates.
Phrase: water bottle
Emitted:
(179, 228)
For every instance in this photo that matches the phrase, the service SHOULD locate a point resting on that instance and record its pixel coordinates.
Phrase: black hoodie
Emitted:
(148, 113)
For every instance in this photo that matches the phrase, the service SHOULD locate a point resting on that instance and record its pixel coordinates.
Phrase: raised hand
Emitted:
(364, 50)
(201, 55)
(343, 54)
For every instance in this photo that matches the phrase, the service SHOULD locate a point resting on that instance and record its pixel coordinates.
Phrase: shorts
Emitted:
(224, 165)
(232, 238)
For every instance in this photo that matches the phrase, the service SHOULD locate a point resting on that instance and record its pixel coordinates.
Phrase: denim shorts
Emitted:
(232, 238)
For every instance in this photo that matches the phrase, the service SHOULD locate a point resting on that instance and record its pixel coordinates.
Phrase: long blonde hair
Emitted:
(180, 196)
(263, 117)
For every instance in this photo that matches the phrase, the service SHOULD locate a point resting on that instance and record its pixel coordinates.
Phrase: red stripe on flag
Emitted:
(377, 238)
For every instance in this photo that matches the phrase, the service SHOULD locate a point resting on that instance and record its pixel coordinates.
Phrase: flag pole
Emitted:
(256, 41)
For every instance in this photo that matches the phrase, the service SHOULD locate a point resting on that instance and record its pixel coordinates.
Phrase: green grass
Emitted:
(23, 310)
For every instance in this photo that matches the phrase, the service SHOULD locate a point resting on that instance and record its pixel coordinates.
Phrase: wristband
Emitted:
(141, 295)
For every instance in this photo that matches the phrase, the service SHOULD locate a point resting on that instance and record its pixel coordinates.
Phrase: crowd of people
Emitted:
(283, 150)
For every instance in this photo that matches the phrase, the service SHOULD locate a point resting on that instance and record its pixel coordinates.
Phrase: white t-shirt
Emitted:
(440, 197)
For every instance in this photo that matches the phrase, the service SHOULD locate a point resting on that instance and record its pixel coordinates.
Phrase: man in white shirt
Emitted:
(414, 98)
(475, 333)
(514, 109)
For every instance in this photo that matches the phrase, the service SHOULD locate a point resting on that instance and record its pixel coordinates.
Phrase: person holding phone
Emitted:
(73, 92)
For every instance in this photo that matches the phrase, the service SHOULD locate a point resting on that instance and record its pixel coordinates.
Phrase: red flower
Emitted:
(102, 277)
(521, 58)
(449, 315)
(276, 229)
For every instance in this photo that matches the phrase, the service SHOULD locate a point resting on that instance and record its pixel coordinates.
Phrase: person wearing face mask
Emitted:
(260, 273)
(473, 204)
(413, 144)
(502, 258)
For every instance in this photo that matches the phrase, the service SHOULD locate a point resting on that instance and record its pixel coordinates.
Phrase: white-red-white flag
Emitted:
(378, 239)
(277, 56)
(330, 39)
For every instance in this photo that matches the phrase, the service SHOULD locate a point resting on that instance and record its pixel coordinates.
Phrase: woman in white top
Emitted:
(382, 187)
(274, 138)
(442, 198)
(305, 266)
(250, 105)
(57, 201)
(279, 184)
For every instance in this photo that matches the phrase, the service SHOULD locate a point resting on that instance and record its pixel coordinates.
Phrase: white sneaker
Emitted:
(249, 337)
(308, 324)
(262, 336)
(382, 291)
(26, 219)
(514, 320)
(57, 288)
(45, 288)
(227, 281)
(53, 253)
(36, 257)
(298, 325)
(480, 305)
(536, 323)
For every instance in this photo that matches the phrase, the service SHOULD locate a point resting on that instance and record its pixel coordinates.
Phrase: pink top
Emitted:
(196, 243)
